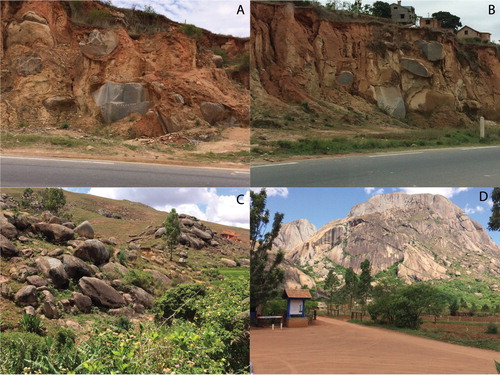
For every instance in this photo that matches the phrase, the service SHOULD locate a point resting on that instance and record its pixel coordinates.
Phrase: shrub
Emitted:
(492, 329)
(31, 323)
(64, 125)
(191, 31)
(124, 323)
(122, 257)
(179, 302)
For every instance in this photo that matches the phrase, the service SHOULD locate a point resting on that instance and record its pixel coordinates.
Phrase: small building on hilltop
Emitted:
(469, 32)
(430, 23)
(403, 14)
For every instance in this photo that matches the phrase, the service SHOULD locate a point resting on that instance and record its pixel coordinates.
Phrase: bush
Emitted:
(31, 323)
(274, 307)
(191, 31)
(122, 257)
(179, 302)
(124, 323)
(492, 329)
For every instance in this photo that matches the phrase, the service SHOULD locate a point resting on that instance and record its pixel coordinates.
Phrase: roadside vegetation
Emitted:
(211, 338)
(361, 143)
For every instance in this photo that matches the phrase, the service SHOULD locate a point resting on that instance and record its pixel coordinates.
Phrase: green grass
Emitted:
(429, 138)
(435, 335)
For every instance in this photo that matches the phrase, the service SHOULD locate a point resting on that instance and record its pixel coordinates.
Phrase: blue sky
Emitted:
(322, 205)
(218, 16)
(216, 205)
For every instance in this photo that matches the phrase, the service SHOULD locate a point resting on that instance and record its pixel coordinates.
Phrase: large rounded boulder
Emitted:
(56, 233)
(54, 269)
(75, 267)
(7, 248)
(85, 229)
(93, 251)
(100, 293)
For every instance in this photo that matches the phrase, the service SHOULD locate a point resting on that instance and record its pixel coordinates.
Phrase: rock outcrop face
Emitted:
(293, 233)
(57, 66)
(299, 55)
(424, 235)
(7, 248)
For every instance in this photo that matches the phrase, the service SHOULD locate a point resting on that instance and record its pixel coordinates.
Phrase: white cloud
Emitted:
(372, 191)
(446, 192)
(273, 192)
(204, 203)
(217, 16)
(472, 210)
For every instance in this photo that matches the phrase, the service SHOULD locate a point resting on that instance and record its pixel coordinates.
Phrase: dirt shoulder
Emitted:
(331, 346)
(229, 150)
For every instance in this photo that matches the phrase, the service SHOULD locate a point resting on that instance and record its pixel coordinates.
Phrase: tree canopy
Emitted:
(265, 275)
(448, 20)
(381, 9)
(172, 231)
(494, 223)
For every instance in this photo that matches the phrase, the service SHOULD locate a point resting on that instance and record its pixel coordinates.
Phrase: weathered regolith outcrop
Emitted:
(302, 54)
(88, 63)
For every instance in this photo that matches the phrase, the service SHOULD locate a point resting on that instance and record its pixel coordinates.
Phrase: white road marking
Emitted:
(273, 165)
(58, 160)
(240, 172)
(395, 154)
(477, 148)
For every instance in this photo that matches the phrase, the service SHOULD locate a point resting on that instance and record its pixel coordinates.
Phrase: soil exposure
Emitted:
(331, 346)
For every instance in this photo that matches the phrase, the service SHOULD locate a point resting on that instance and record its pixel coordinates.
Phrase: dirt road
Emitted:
(331, 346)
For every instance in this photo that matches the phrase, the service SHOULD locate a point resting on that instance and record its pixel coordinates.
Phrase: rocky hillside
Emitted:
(88, 64)
(57, 267)
(293, 233)
(346, 68)
(421, 237)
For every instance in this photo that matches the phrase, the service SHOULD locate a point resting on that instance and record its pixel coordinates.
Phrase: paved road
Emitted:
(331, 347)
(45, 172)
(476, 166)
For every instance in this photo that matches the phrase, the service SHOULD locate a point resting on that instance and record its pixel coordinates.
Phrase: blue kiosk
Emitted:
(296, 307)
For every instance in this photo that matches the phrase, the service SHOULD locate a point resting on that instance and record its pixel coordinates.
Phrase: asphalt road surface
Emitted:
(332, 346)
(46, 172)
(473, 166)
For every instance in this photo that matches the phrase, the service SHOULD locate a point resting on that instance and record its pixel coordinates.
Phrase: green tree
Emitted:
(265, 274)
(463, 303)
(53, 199)
(172, 231)
(485, 308)
(381, 9)
(332, 283)
(448, 20)
(494, 223)
(473, 309)
(454, 308)
(365, 283)
(351, 285)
